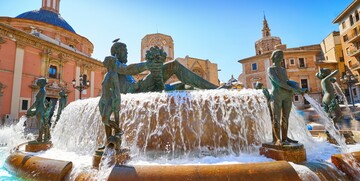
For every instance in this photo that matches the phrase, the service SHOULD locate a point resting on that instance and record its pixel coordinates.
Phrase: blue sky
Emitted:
(221, 31)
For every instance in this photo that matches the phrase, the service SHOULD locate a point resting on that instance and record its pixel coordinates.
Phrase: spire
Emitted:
(51, 5)
(266, 29)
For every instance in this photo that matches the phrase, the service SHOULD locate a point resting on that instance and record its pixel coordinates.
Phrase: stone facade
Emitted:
(31, 49)
(301, 64)
(204, 68)
(161, 40)
(349, 26)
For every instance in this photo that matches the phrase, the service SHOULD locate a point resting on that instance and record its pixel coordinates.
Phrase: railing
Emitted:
(353, 52)
(354, 37)
(355, 65)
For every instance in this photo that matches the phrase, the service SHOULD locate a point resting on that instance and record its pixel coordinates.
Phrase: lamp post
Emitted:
(350, 79)
(84, 84)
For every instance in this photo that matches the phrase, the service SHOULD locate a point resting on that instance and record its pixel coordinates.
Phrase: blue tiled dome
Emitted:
(46, 17)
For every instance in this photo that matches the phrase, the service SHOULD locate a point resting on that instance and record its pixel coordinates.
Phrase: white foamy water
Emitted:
(78, 127)
(328, 123)
(196, 127)
(340, 93)
(335, 133)
(177, 123)
(13, 135)
(305, 173)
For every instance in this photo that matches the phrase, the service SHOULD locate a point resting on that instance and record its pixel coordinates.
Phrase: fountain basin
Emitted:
(343, 163)
(279, 170)
(33, 167)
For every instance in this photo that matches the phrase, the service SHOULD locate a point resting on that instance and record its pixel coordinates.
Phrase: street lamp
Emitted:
(84, 84)
(350, 79)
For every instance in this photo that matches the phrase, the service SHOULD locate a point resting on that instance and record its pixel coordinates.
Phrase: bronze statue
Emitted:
(62, 104)
(330, 101)
(39, 110)
(110, 97)
(281, 99)
(155, 58)
(166, 70)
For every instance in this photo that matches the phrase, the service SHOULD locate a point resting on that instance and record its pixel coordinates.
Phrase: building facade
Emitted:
(204, 68)
(41, 43)
(301, 64)
(349, 27)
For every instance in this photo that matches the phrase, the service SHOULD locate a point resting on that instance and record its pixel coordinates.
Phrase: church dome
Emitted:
(46, 16)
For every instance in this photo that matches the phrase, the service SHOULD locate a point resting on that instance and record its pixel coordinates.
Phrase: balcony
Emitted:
(353, 52)
(354, 38)
(354, 65)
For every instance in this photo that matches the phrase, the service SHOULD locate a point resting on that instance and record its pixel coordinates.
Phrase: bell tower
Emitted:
(51, 5)
(266, 29)
(267, 43)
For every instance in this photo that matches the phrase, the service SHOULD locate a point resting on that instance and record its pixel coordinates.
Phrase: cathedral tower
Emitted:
(267, 42)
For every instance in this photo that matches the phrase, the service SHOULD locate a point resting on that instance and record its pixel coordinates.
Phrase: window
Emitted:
(84, 79)
(292, 61)
(304, 83)
(254, 66)
(341, 59)
(24, 104)
(301, 62)
(345, 38)
(356, 15)
(53, 71)
(351, 20)
(296, 98)
(343, 25)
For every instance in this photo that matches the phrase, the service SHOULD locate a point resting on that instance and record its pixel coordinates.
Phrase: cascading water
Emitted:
(350, 123)
(175, 124)
(10, 137)
(335, 133)
(13, 135)
(327, 122)
(340, 93)
(196, 127)
(106, 164)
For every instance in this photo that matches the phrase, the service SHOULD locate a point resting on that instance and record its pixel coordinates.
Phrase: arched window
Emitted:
(356, 15)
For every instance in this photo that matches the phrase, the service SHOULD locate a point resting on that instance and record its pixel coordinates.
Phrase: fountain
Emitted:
(178, 135)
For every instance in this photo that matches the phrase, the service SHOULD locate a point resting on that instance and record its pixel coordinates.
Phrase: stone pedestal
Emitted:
(348, 135)
(294, 152)
(34, 146)
(121, 157)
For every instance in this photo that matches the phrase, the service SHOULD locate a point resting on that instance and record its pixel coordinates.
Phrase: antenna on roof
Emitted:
(116, 40)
